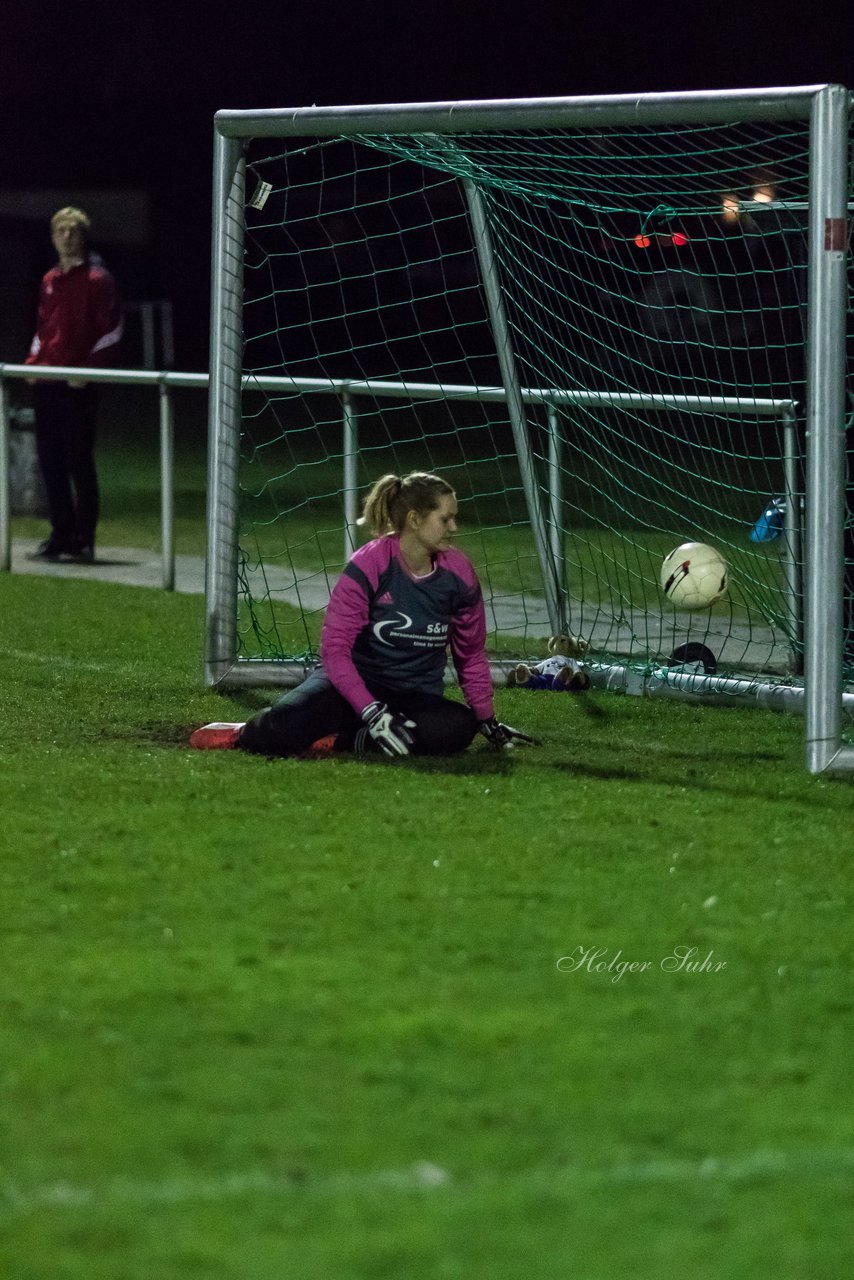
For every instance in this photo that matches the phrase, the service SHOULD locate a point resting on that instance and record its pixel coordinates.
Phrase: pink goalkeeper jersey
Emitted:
(385, 626)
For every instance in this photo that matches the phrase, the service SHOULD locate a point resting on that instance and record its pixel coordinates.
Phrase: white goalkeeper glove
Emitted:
(390, 730)
(502, 736)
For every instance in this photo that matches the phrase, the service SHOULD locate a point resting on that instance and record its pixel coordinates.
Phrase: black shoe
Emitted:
(696, 653)
(50, 549)
(84, 555)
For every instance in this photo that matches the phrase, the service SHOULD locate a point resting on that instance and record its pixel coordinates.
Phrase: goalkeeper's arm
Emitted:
(468, 641)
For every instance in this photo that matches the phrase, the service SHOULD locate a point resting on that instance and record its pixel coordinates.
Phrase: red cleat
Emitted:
(217, 736)
(323, 748)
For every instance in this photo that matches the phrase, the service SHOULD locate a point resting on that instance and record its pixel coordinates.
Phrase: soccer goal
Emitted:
(614, 324)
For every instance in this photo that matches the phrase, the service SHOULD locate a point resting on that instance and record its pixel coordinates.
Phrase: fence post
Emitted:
(792, 536)
(351, 489)
(5, 496)
(167, 486)
(555, 498)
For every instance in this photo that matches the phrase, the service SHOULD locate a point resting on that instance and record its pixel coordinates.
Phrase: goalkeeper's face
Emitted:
(436, 528)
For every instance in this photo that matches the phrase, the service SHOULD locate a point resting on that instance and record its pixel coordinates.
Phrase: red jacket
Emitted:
(79, 318)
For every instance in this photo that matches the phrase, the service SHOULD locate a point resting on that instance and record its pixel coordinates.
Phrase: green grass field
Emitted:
(348, 1019)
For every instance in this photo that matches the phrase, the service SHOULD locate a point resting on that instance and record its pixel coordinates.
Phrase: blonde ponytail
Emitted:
(392, 498)
(376, 513)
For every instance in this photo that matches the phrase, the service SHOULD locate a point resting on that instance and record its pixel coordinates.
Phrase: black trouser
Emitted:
(65, 440)
(315, 709)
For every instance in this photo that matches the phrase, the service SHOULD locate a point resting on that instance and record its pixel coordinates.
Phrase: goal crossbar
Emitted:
(792, 103)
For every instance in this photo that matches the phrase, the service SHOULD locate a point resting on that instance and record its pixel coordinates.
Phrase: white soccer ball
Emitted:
(694, 576)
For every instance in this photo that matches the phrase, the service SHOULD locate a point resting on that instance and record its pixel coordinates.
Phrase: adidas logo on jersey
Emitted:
(385, 598)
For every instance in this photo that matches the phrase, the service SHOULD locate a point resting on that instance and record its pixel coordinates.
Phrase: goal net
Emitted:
(597, 332)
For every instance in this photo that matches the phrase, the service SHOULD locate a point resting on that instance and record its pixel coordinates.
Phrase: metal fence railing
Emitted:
(347, 392)
(165, 384)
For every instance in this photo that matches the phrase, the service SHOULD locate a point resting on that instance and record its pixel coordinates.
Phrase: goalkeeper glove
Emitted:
(502, 736)
(390, 730)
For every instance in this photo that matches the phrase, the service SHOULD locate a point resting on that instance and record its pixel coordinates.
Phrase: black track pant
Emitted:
(315, 709)
(65, 440)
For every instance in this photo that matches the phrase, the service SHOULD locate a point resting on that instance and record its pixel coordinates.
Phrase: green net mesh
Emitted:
(638, 264)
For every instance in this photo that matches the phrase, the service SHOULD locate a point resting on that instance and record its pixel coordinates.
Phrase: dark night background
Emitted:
(103, 98)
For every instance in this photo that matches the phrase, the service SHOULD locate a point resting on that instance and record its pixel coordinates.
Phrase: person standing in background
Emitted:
(79, 324)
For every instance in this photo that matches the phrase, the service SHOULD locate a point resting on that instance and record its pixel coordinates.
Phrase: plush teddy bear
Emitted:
(562, 671)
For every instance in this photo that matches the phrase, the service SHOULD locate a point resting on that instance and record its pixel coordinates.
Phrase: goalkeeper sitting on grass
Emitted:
(402, 600)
